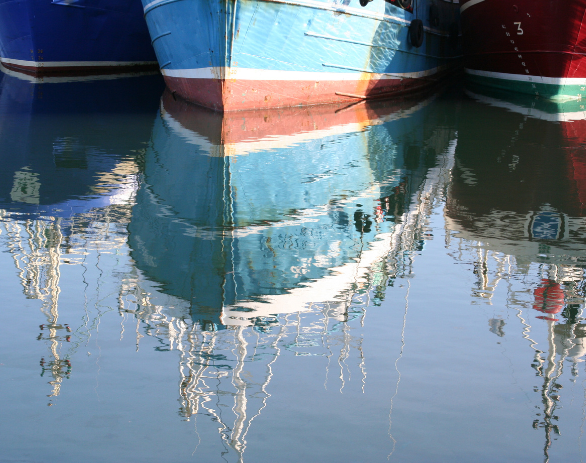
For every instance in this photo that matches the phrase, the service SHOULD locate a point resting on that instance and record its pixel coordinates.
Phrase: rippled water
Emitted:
(397, 281)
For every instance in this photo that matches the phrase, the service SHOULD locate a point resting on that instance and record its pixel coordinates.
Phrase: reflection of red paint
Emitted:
(549, 297)
(541, 317)
(574, 137)
(578, 166)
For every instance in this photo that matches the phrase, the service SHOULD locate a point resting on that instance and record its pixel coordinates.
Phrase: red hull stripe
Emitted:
(72, 64)
(282, 128)
(74, 76)
(35, 68)
(242, 94)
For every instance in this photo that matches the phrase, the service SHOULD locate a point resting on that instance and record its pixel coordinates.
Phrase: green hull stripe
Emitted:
(549, 91)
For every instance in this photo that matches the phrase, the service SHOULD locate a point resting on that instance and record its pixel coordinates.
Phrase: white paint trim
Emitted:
(336, 282)
(530, 112)
(62, 79)
(341, 281)
(62, 64)
(151, 5)
(264, 74)
(466, 5)
(529, 78)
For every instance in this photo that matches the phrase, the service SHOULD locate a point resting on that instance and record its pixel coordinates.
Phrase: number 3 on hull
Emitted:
(533, 46)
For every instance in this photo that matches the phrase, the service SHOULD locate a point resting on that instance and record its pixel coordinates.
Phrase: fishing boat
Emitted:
(534, 47)
(237, 55)
(74, 36)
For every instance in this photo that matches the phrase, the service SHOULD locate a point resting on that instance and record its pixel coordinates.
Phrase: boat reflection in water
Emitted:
(68, 149)
(75, 132)
(517, 199)
(264, 206)
(276, 229)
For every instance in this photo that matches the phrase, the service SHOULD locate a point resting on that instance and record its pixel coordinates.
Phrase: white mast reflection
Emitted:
(36, 249)
(40, 246)
(556, 294)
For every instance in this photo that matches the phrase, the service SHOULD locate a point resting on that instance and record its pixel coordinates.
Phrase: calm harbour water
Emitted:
(401, 281)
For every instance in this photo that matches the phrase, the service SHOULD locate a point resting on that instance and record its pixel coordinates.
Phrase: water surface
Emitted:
(393, 281)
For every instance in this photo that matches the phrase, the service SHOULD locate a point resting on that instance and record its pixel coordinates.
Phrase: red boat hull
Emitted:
(230, 95)
(532, 46)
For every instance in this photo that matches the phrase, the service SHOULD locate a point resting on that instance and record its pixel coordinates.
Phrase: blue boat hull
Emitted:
(74, 36)
(251, 54)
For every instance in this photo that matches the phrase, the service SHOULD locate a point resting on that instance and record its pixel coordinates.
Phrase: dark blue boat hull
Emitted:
(74, 36)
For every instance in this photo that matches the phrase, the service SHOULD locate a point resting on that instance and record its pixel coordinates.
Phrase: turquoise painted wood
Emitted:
(245, 54)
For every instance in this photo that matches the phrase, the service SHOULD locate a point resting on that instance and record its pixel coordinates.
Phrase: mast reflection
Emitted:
(256, 233)
(68, 150)
(517, 206)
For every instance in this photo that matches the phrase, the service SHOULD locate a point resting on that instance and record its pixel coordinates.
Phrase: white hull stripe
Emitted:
(469, 4)
(343, 279)
(530, 112)
(529, 78)
(66, 64)
(283, 141)
(58, 80)
(215, 73)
